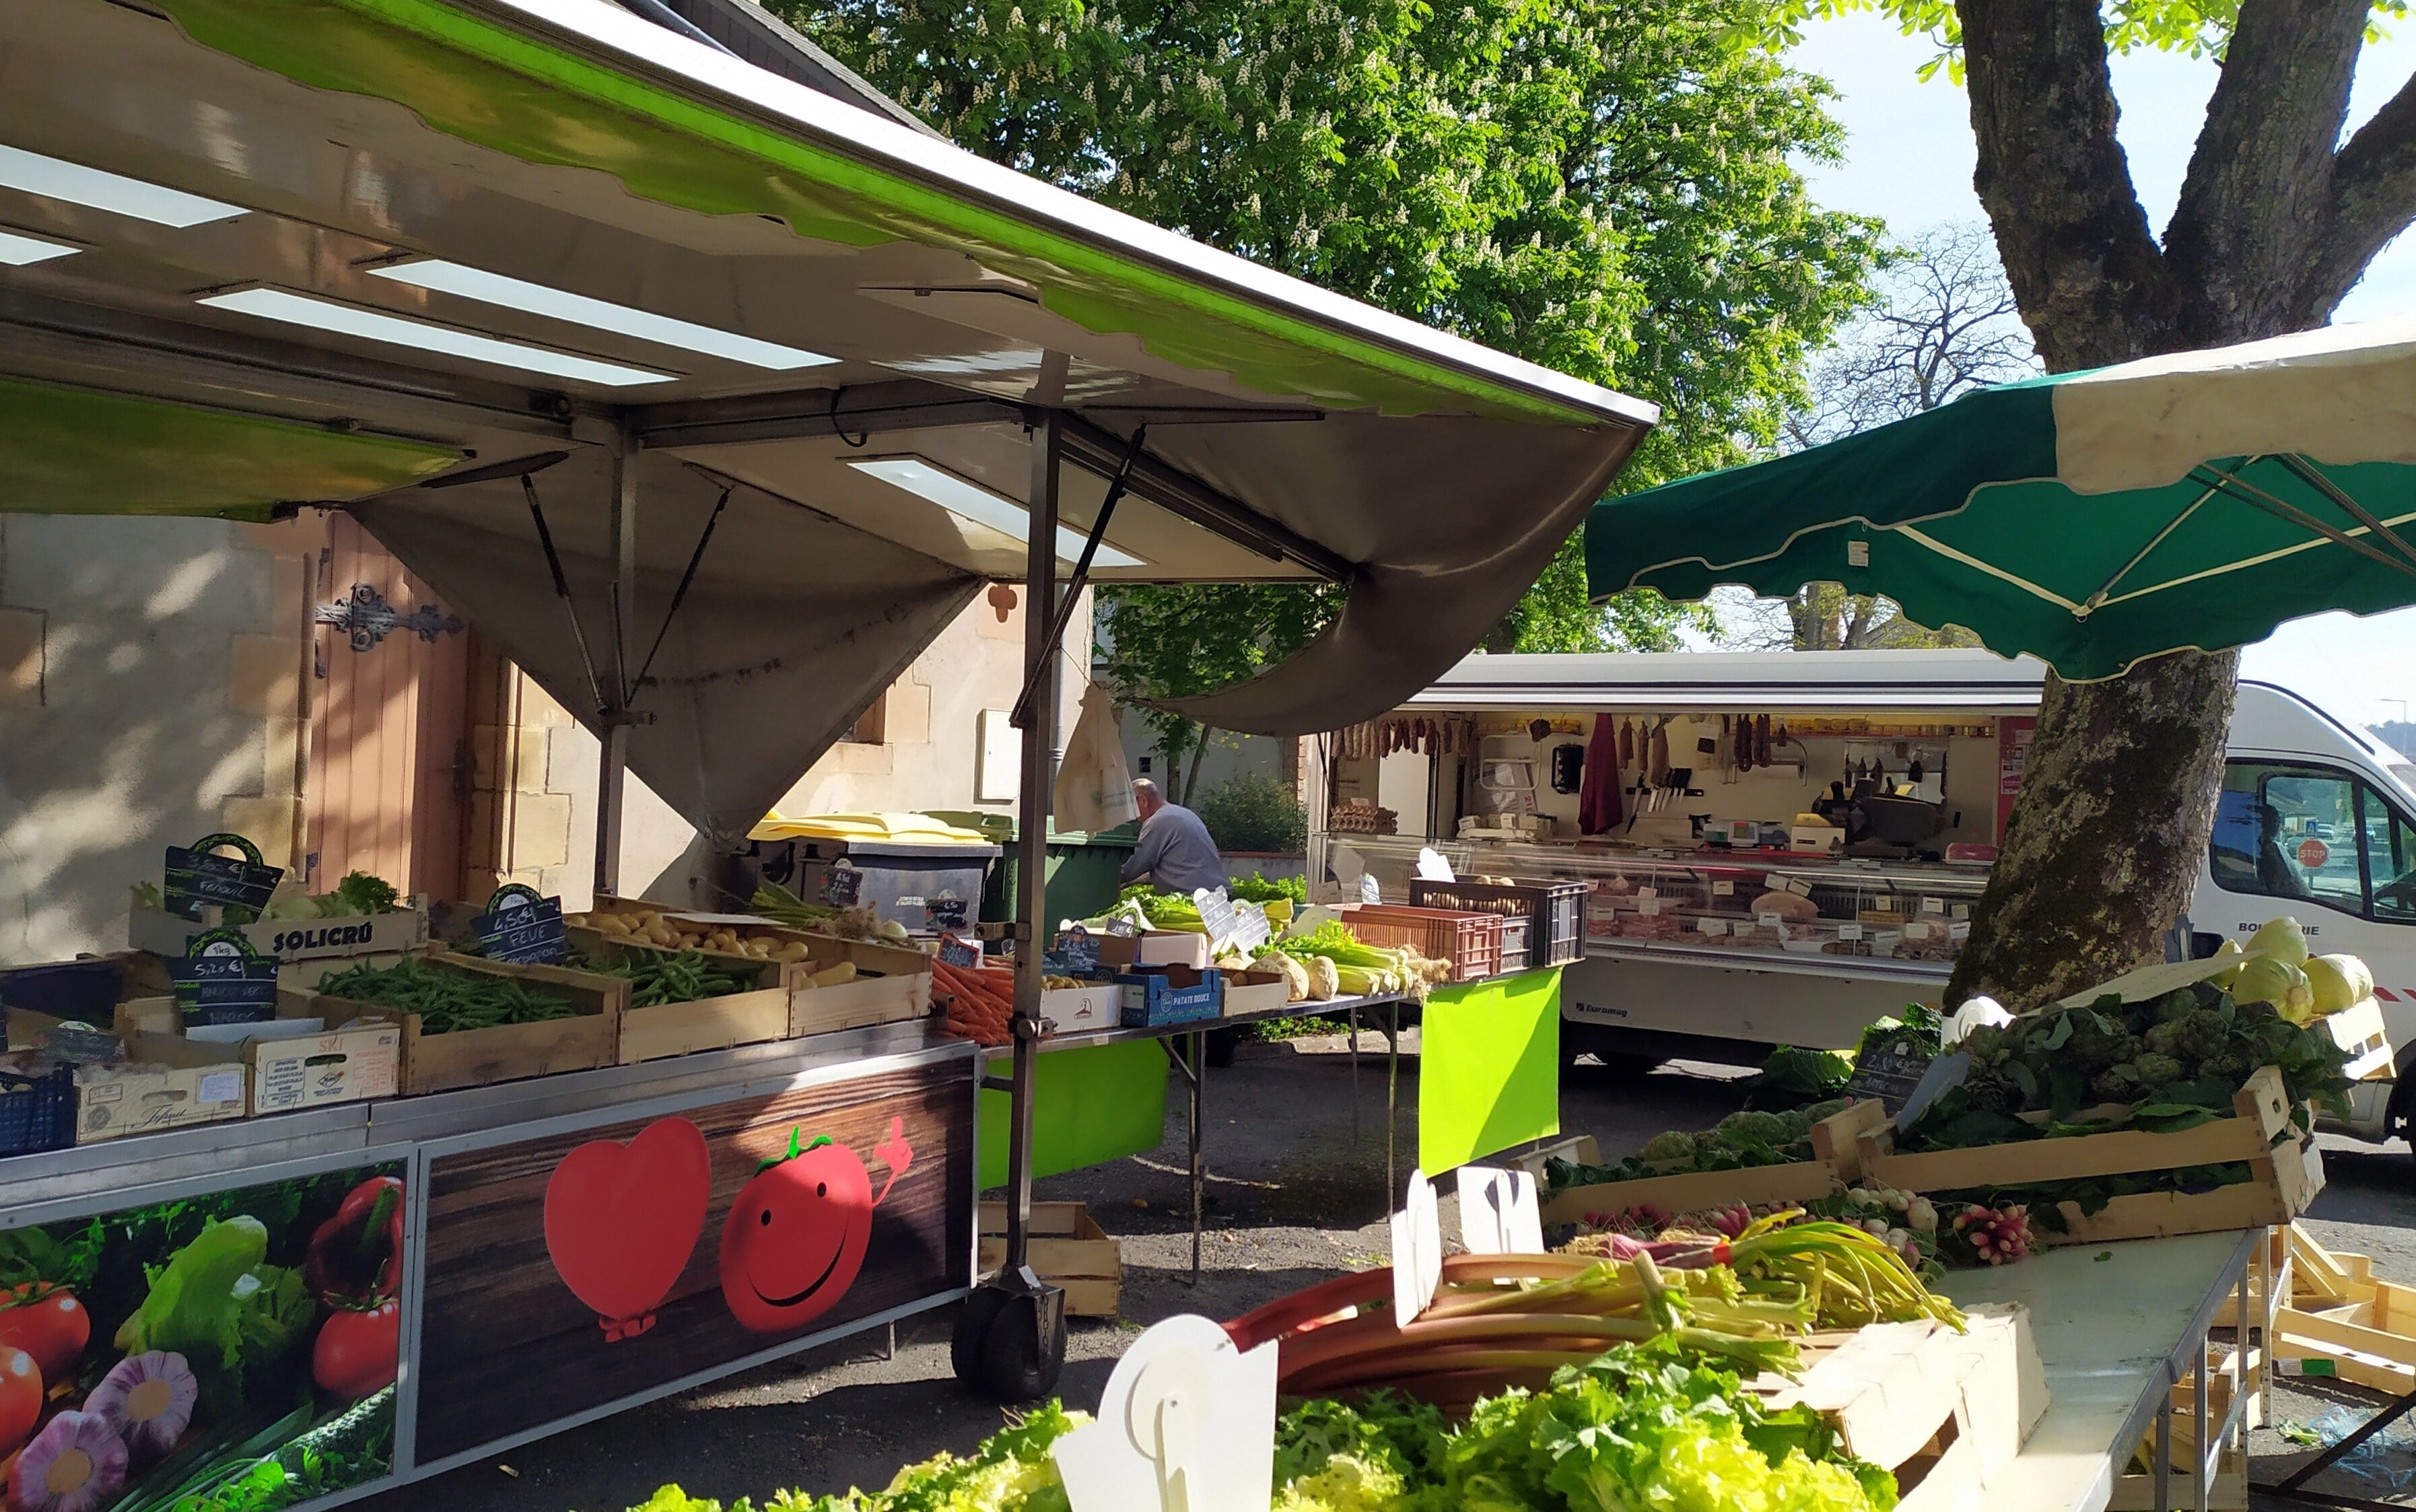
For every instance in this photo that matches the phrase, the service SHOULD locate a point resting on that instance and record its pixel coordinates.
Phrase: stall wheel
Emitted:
(1024, 1352)
(974, 1323)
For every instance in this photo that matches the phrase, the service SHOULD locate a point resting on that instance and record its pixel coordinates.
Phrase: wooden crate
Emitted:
(893, 985)
(480, 1057)
(1576, 1149)
(665, 1029)
(1946, 1412)
(1068, 1248)
(1836, 1163)
(2357, 1031)
(2283, 1180)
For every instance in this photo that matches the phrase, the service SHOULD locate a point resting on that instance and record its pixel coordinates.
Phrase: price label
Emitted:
(1933, 905)
(1799, 886)
(1251, 927)
(1890, 1067)
(521, 928)
(1712, 926)
(222, 979)
(1123, 929)
(1959, 930)
(1076, 953)
(1769, 922)
(1724, 889)
(1882, 905)
(1850, 932)
(1962, 910)
(944, 912)
(1649, 907)
(1887, 939)
(1215, 911)
(1648, 892)
(842, 884)
(197, 875)
(960, 953)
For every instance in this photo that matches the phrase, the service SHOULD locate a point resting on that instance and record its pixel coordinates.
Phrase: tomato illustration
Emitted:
(357, 1349)
(53, 1327)
(795, 1237)
(21, 1399)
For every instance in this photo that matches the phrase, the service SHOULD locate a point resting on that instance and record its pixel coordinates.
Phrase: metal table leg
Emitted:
(1191, 1061)
(2292, 1487)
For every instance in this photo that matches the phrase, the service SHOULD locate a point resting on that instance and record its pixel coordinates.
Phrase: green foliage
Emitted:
(1258, 887)
(1254, 812)
(1608, 187)
(2199, 28)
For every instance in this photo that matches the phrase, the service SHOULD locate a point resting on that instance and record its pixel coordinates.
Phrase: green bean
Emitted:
(449, 1001)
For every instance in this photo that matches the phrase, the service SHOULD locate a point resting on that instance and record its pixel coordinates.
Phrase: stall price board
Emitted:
(1890, 1067)
(198, 876)
(221, 979)
(520, 928)
(960, 953)
(842, 885)
(1075, 953)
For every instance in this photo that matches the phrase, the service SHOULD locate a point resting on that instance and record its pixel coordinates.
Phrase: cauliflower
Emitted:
(1754, 1127)
(1663, 1148)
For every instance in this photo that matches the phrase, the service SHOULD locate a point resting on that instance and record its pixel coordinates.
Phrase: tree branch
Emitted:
(2259, 193)
(2374, 199)
(2093, 286)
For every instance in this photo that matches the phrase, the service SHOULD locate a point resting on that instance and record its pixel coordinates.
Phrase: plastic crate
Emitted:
(37, 1113)
(1554, 910)
(1514, 942)
(1470, 942)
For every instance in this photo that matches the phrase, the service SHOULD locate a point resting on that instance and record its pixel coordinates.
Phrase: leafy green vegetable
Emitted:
(1258, 887)
(48, 1258)
(348, 1449)
(1792, 1076)
(1011, 1471)
(192, 1307)
(360, 893)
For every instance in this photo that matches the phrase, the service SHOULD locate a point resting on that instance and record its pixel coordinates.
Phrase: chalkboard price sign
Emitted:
(1890, 1067)
(1076, 954)
(197, 875)
(521, 928)
(221, 979)
(842, 885)
(957, 953)
(945, 913)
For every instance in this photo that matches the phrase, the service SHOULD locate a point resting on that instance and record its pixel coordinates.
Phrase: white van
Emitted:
(1694, 946)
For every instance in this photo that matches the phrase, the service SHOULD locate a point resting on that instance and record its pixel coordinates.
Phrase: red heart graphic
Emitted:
(621, 1220)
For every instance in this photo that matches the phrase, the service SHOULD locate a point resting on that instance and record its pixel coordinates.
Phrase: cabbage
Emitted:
(2282, 939)
(2338, 982)
(2271, 979)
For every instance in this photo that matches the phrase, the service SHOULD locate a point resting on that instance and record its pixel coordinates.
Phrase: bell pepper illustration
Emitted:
(795, 1237)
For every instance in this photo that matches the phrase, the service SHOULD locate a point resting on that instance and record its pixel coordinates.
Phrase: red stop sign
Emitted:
(2313, 854)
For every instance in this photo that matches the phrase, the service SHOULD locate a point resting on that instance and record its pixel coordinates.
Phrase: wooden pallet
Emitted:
(2284, 1177)
(1946, 1412)
(1836, 1163)
(1068, 1248)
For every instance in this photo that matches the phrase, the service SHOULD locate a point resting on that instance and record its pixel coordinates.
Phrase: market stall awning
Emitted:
(549, 237)
(2091, 519)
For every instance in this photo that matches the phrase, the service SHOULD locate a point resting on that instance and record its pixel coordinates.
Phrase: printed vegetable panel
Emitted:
(234, 1353)
(572, 1272)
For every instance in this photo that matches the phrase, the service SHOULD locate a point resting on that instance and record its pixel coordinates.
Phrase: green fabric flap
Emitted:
(1088, 1107)
(485, 83)
(74, 451)
(1488, 1068)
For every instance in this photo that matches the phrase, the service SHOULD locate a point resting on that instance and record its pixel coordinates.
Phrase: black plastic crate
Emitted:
(37, 1113)
(1514, 942)
(1554, 912)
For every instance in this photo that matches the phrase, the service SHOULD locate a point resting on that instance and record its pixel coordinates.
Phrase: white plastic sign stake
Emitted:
(1369, 891)
(1417, 1251)
(1498, 1212)
(1250, 926)
(1432, 866)
(1187, 1424)
(1215, 911)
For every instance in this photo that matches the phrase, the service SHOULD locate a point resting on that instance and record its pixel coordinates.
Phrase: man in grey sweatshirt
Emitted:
(1175, 854)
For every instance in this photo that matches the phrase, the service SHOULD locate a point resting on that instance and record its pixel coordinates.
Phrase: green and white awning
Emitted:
(2090, 518)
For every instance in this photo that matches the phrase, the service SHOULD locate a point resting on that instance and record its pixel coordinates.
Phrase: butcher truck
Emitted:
(1799, 836)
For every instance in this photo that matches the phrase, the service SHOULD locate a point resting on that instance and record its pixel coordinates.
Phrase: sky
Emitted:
(1908, 158)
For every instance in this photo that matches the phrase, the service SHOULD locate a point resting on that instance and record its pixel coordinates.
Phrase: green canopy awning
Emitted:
(2092, 520)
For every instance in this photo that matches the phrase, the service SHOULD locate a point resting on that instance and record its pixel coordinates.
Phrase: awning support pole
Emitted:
(562, 591)
(1031, 821)
(679, 594)
(2340, 496)
(613, 773)
(1022, 717)
(2289, 513)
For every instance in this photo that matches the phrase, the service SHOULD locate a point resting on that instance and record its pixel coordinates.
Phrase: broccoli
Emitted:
(2158, 1070)
(1822, 1111)
(1672, 1146)
(2098, 1043)
(2164, 1038)
(2116, 1084)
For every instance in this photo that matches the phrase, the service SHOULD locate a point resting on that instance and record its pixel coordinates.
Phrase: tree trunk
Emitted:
(1199, 760)
(2104, 842)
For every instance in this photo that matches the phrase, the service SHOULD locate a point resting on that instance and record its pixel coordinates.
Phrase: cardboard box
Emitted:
(348, 1061)
(1077, 1010)
(358, 934)
(112, 1101)
(1170, 994)
(1156, 947)
(1255, 991)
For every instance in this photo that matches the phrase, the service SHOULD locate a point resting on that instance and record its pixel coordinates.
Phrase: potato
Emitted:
(793, 950)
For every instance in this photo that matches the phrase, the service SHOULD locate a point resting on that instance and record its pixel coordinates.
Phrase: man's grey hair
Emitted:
(1142, 785)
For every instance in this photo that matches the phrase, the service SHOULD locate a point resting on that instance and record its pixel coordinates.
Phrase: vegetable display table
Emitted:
(2118, 1327)
(445, 1277)
(1189, 1060)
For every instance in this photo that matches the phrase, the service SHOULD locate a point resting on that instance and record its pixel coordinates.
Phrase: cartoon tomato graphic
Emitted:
(796, 1235)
